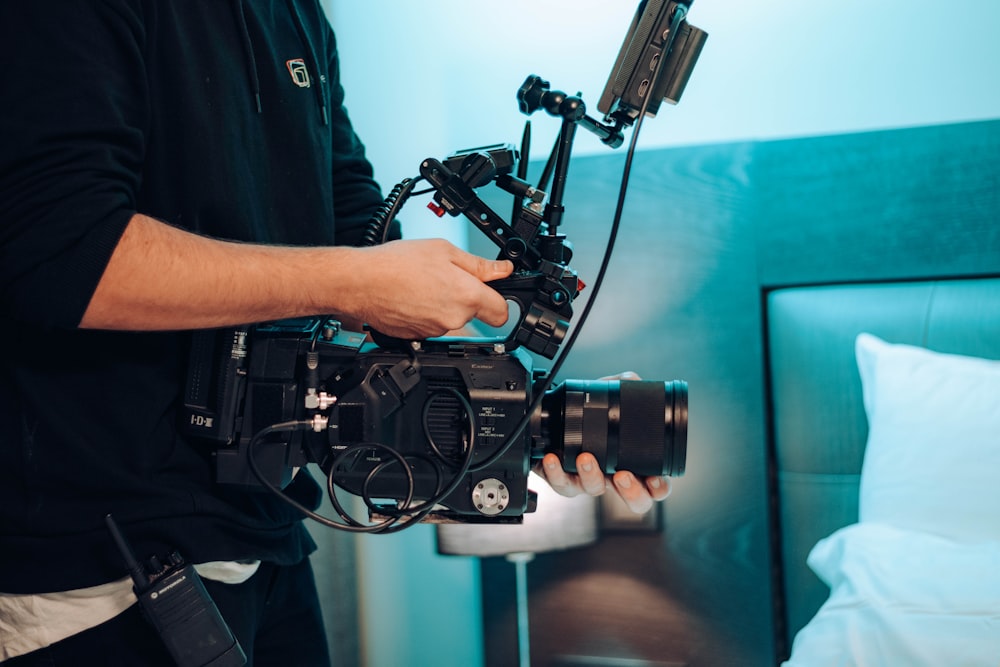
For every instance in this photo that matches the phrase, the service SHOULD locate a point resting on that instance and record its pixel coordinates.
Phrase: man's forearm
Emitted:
(164, 278)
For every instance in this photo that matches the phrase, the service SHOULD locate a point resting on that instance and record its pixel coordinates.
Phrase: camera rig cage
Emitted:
(446, 429)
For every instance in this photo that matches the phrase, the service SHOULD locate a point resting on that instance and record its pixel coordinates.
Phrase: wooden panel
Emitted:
(903, 204)
(680, 302)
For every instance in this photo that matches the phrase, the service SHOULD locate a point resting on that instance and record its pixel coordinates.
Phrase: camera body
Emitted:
(432, 404)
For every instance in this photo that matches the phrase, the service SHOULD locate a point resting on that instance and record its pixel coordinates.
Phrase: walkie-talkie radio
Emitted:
(173, 599)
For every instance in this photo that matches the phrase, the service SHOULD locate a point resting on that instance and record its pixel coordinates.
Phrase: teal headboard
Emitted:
(819, 425)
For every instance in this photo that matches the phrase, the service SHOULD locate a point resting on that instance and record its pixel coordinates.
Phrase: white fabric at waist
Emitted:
(33, 621)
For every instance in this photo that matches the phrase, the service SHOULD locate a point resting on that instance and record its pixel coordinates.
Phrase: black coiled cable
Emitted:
(377, 231)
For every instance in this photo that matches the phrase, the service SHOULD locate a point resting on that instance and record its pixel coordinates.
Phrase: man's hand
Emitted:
(638, 494)
(425, 288)
(164, 278)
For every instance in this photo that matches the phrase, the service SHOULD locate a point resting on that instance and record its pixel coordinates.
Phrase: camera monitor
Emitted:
(658, 27)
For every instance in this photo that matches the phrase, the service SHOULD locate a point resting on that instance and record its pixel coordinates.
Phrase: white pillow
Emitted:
(932, 462)
(902, 597)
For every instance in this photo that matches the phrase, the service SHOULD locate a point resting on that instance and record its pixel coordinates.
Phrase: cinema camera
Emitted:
(447, 429)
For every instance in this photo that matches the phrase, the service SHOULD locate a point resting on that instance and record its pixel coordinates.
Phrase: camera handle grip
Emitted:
(544, 301)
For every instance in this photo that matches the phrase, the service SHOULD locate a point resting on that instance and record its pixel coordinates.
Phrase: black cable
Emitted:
(353, 524)
(431, 503)
(679, 14)
(380, 223)
(425, 417)
(405, 508)
(282, 427)
(394, 523)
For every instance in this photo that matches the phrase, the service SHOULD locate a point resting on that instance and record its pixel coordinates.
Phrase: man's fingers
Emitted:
(659, 487)
(496, 269)
(640, 495)
(482, 268)
(493, 310)
(633, 492)
(590, 473)
(559, 479)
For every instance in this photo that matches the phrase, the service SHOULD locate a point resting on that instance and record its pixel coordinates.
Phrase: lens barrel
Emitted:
(634, 425)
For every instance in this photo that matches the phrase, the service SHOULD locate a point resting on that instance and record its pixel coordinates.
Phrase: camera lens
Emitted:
(633, 425)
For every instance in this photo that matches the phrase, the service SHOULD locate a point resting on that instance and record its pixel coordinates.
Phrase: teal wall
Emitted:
(431, 77)
(417, 608)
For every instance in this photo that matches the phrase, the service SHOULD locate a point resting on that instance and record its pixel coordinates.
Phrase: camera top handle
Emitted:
(542, 284)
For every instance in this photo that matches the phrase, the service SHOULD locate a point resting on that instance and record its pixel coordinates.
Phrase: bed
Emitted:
(886, 413)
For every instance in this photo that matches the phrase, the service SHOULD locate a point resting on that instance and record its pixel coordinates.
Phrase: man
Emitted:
(167, 166)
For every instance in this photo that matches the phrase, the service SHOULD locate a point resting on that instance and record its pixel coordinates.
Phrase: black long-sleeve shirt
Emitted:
(222, 117)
